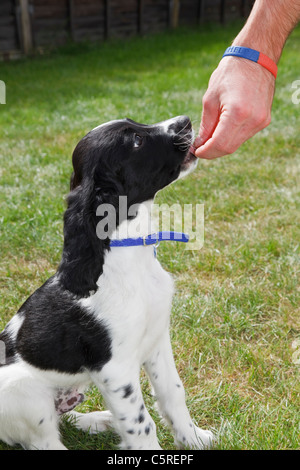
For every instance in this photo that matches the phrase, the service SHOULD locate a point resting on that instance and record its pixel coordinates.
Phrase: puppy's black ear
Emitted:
(93, 182)
(80, 159)
(72, 181)
(83, 252)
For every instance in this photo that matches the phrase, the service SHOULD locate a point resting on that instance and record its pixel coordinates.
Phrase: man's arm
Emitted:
(238, 101)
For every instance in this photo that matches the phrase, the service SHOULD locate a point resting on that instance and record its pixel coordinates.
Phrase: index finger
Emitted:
(225, 140)
(229, 134)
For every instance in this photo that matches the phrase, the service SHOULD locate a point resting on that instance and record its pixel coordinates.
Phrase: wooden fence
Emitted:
(27, 25)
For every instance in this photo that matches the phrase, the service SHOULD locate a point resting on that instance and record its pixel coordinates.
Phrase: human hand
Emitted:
(236, 105)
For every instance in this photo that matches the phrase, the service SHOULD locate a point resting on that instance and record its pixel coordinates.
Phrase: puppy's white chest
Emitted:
(133, 299)
(144, 287)
(158, 289)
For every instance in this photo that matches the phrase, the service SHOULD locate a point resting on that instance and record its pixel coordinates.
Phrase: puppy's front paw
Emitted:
(196, 438)
(99, 421)
(203, 439)
(93, 422)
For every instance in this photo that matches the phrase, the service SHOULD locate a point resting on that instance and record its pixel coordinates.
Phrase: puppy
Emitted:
(105, 313)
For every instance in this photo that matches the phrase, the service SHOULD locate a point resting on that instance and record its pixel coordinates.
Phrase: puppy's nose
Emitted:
(183, 123)
(182, 132)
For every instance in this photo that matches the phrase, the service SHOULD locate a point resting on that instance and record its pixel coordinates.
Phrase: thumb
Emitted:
(209, 121)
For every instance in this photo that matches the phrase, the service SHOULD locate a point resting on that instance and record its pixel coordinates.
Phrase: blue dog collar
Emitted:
(152, 239)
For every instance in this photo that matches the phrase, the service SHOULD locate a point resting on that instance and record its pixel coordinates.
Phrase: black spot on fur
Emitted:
(128, 390)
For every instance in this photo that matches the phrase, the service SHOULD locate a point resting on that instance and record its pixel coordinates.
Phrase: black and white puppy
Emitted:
(105, 313)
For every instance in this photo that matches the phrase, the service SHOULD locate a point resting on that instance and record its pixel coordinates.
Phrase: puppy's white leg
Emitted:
(120, 386)
(94, 422)
(171, 398)
(46, 443)
(27, 411)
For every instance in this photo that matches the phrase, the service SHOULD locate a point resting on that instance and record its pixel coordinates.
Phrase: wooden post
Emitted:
(26, 26)
(175, 6)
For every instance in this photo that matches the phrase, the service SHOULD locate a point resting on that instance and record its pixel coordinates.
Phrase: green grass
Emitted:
(235, 322)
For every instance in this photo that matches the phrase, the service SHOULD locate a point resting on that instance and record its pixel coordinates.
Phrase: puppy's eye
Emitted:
(138, 140)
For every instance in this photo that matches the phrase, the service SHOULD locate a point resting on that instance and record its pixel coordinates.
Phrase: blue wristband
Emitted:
(243, 52)
(255, 56)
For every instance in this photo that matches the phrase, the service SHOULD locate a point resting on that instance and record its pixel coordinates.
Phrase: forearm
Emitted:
(269, 25)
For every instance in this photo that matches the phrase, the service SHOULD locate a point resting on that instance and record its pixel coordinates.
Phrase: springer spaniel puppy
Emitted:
(105, 313)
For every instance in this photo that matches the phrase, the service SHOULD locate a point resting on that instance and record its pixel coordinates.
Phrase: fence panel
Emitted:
(123, 18)
(232, 9)
(53, 22)
(87, 19)
(50, 22)
(156, 16)
(9, 36)
(189, 12)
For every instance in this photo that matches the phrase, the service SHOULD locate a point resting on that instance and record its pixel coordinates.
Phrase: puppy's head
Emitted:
(124, 158)
(120, 158)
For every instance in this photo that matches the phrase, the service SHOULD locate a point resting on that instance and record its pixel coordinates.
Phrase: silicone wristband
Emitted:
(255, 56)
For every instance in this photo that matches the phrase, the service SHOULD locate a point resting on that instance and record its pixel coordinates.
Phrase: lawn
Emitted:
(235, 322)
